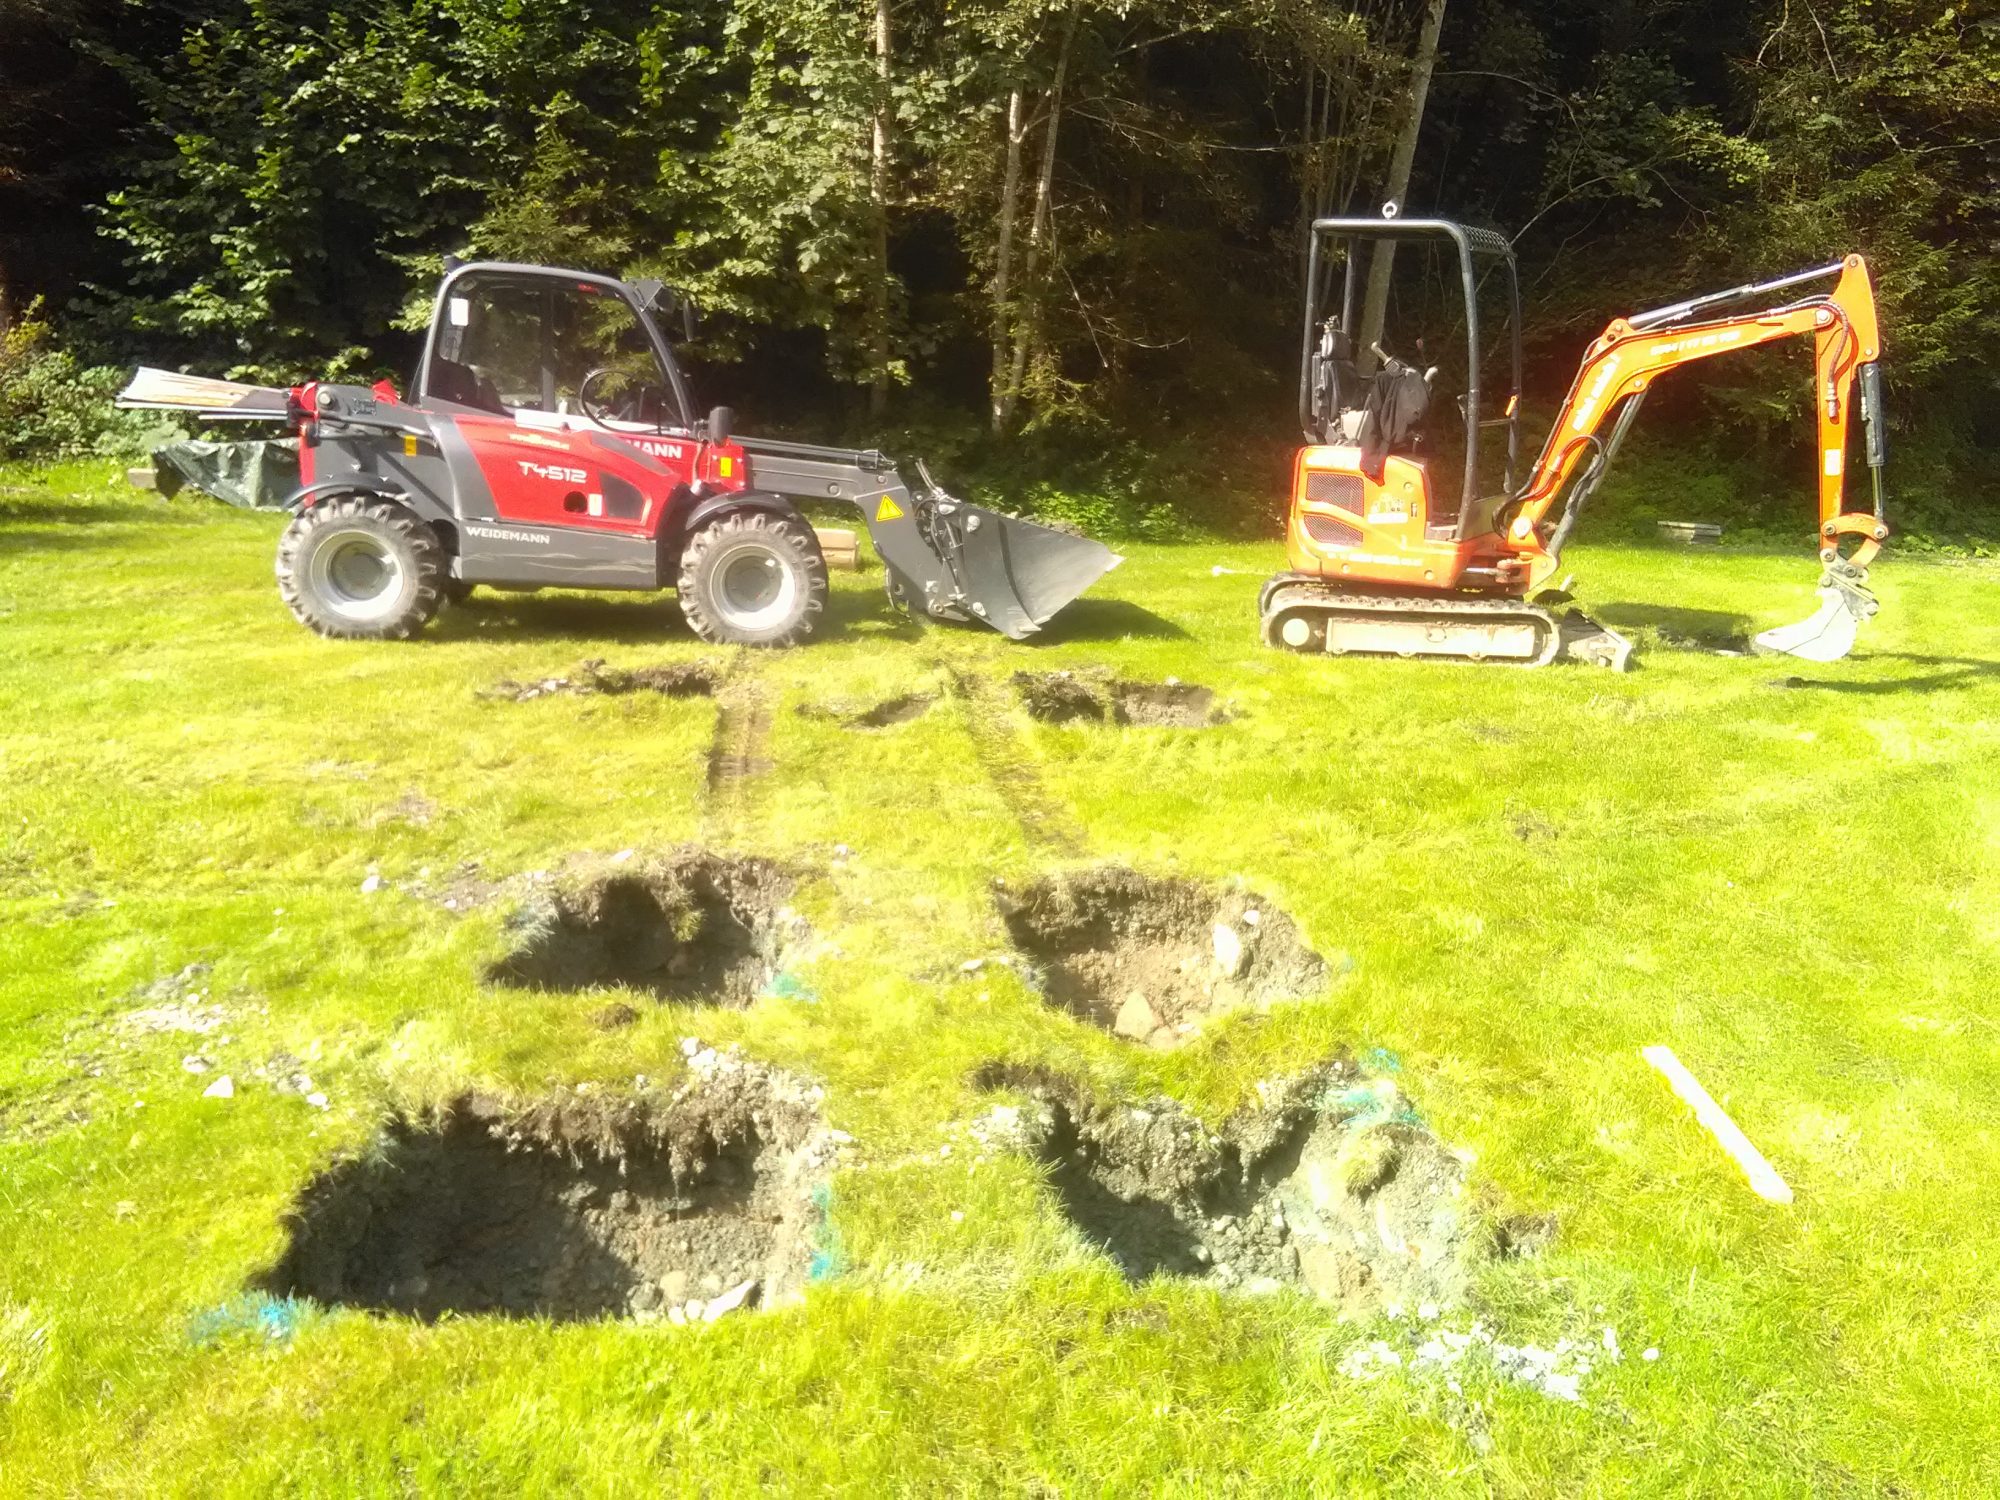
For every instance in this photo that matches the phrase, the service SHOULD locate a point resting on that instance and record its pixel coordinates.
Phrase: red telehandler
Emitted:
(1393, 553)
(550, 439)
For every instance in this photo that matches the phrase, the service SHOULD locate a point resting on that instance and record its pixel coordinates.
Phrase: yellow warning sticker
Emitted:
(888, 510)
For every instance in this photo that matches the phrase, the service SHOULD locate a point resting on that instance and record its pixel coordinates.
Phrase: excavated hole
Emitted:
(1148, 959)
(1072, 697)
(556, 1213)
(693, 679)
(694, 926)
(1329, 1184)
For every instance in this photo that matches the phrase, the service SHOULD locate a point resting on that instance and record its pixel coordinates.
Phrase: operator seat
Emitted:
(462, 385)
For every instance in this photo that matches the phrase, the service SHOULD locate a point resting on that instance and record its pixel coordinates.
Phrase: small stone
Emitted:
(692, 1309)
(1252, 917)
(1136, 1019)
(622, 855)
(677, 1315)
(223, 1088)
(1428, 1311)
(1650, 1355)
(316, 1100)
(124, 1209)
(729, 1301)
(371, 885)
(1228, 950)
(958, 1216)
(972, 966)
(195, 1064)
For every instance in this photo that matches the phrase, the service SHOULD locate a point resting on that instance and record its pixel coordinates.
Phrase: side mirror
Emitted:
(721, 422)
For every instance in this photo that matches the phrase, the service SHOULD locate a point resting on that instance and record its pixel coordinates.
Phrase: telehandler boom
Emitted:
(1383, 561)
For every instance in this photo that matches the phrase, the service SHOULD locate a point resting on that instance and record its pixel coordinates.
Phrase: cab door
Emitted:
(569, 430)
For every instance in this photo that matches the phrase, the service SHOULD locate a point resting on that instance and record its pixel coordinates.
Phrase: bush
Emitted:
(52, 407)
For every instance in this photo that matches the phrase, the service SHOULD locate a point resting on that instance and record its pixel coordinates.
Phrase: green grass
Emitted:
(1533, 875)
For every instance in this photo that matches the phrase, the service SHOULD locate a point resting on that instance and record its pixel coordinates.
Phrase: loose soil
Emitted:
(1329, 1183)
(693, 926)
(694, 679)
(1096, 698)
(573, 1208)
(1148, 959)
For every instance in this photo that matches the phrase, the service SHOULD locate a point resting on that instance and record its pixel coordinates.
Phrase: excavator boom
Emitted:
(1633, 352)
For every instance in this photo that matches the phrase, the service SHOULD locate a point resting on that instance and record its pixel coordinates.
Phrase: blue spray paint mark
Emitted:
(273, 1319)
(829, 1257)
(788, 986)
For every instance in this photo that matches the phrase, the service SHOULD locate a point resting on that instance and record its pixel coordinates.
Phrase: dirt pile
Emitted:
(1329, 1183)
(901, 709)
(681, 1209)
(1149, 958)
(692, 679)
(1097, 698)
(693, 926)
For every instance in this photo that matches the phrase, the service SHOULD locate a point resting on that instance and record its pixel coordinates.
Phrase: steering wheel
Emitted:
(583, 402)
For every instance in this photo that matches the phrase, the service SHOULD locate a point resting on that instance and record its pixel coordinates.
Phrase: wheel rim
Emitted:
(357, 575)
(755, 589)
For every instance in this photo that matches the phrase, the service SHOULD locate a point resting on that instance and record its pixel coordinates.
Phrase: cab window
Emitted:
(566, 348)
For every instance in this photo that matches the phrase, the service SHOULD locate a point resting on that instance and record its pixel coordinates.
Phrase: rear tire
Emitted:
(361, 568)
(752, 578)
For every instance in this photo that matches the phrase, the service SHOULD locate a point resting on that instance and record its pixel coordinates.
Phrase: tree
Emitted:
(1381, 264)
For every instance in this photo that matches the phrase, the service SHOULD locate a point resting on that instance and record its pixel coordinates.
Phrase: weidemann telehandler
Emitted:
(550, 439)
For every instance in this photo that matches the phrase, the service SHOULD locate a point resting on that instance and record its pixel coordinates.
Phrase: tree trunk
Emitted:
(1382, 264)
(1003, 262)
(878, 194)
(1028, 325)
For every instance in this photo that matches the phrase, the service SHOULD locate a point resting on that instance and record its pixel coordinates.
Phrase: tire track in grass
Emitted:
(739, 754)
(1048, 826)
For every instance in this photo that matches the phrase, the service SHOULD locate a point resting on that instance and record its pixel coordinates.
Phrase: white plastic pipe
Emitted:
(1764, 1178)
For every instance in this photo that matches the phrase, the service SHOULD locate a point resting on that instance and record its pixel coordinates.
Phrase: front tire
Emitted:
(361, 568)
(752, 578)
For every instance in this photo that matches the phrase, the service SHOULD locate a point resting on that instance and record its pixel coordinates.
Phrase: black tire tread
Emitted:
(426, 557)
(790, 533)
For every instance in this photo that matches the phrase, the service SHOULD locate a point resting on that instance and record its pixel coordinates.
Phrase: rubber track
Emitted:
(1045, 823)
(1332, 601)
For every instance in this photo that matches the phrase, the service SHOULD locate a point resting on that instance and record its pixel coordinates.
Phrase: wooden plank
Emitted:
(841, 547)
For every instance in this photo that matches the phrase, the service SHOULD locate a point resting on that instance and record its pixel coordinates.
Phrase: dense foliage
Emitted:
(1076, 221)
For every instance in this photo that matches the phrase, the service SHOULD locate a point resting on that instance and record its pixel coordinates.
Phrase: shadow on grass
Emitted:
(1683, 629)
(1107, 620)
(629, 620)
(1952, 673)
(69, 525)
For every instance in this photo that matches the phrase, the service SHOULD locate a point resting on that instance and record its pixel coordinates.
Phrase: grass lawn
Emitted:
(1790, 874)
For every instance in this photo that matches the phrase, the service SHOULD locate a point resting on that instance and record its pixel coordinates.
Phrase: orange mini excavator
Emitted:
(1401, 545)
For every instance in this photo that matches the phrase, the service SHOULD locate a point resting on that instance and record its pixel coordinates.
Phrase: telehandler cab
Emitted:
(1408, 533)
(550, 440)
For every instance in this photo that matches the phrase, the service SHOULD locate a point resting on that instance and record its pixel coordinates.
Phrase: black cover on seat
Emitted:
(1398, 401)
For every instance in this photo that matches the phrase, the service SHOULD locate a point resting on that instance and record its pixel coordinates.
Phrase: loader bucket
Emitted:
(1017, 574)
(1828, 635)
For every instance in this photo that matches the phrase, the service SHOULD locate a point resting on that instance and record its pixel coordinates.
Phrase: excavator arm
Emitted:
(1621, 366)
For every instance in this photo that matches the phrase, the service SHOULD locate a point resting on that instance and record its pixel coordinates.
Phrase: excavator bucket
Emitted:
(1017, 574)
(1828, 635)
